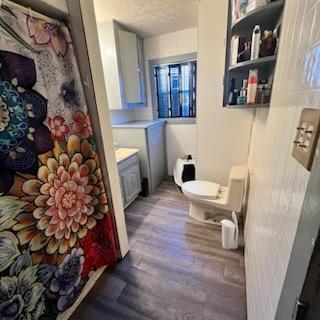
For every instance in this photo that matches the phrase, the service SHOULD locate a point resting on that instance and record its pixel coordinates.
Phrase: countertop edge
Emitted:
(130, 153)
(143, 124)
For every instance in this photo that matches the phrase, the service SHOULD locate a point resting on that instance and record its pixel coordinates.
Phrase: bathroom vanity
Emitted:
(149, 137)
(129, 174)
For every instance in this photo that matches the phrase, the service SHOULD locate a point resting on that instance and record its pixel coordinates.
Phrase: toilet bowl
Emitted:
(211, 202)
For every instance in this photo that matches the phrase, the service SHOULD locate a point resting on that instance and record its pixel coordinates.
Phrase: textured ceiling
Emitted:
(149, 17)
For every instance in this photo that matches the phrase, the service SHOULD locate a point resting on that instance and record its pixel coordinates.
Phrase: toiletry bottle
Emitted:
(259, 95)
(255, 43)
(233, 95)
(244, 55)
(242, 99)
(235, 10)
(266, 93)
(243, 7)
(232, 87)
(252, 86)
(268, 44)
(244, 90)
(234, 50)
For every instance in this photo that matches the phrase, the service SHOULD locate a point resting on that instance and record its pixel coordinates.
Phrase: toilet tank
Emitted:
(237, 183)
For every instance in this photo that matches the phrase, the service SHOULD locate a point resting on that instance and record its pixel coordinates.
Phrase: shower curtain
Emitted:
(56, 226)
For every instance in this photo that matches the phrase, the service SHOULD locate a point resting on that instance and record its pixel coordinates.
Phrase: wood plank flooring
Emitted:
(176, 268)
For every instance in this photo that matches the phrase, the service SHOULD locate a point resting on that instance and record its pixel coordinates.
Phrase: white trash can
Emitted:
(230, 232)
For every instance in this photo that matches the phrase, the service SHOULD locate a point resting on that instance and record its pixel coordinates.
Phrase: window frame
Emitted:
(175, 60)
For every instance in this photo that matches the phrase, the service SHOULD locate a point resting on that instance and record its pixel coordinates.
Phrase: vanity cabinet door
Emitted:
(131, 182)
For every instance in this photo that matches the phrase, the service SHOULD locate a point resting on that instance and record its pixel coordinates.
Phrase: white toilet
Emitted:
(210, 202)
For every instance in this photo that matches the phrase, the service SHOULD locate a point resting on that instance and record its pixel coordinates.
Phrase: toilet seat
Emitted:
(201, 189)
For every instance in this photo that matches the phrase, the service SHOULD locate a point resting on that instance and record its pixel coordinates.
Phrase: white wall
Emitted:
(157, 47)
(164, 46)
(278, 182)
(181, 140)
(222, 134)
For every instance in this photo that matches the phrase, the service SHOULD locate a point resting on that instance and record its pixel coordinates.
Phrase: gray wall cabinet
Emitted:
(123, 66)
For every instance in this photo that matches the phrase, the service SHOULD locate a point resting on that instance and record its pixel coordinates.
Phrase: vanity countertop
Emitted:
(125, 153)
(140, 124)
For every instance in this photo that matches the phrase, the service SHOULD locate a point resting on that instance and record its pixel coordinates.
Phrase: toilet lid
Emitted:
(202, 189)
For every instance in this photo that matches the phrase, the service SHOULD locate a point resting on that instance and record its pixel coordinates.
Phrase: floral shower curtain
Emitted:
(55, 223)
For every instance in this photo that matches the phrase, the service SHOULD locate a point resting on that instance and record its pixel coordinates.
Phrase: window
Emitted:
(176, 89)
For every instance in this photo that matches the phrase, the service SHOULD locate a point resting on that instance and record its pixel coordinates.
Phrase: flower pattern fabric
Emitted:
(68, 198)
(82, 124)
(44, 33)
(69, 94)
(67, 278)
(58, 129)
(22, 112)
(56, 224)
(99, 239)
(22, 292)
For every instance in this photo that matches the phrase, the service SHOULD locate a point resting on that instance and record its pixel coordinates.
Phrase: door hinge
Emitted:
(300, 310)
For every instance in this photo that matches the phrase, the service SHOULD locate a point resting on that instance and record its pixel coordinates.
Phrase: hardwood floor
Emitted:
(176, 268)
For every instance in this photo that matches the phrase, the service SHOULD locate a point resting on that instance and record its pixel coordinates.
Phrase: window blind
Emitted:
(176, 89)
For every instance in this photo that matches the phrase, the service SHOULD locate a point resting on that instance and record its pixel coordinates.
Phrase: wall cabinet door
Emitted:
(129, 61)
(111, 65)
(131, 182)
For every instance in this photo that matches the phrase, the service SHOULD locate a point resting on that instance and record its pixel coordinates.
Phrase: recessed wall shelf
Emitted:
(247, 106)
(239, 33)
(256, 63)
(261, 15)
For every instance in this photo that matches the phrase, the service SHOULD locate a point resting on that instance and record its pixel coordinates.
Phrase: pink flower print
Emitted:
(69, 204)
(58, 129)
(45, 33)
(82, 124)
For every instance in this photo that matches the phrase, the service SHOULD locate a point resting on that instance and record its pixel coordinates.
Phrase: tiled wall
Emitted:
(222, 134)
(278, 182)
